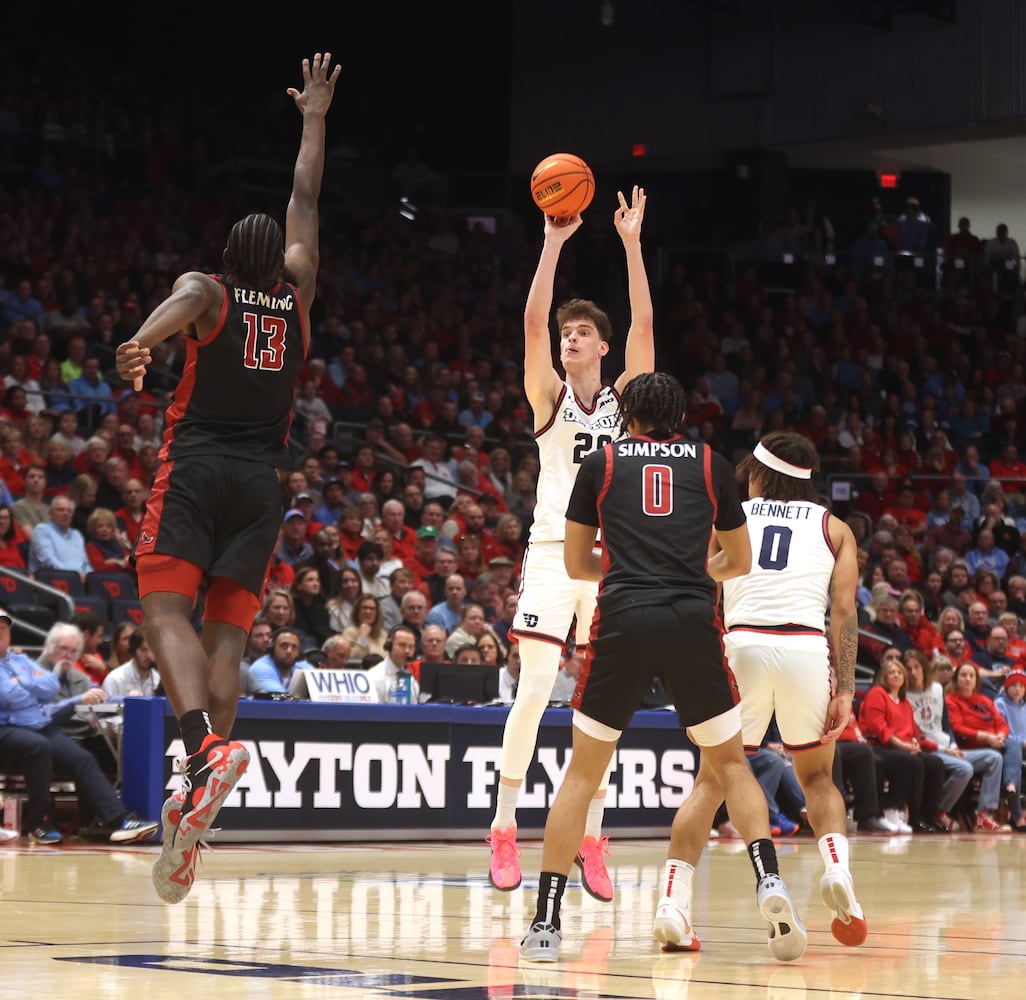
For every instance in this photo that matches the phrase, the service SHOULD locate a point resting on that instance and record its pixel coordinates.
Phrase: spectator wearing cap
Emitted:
(475, 414)
(502, 568)
(422, 560)
(304, 503)
(293, 548)
(1011, 703)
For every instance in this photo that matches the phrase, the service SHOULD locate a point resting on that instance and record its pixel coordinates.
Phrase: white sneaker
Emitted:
(672, 927)
(838, 892)
(541, 943)
(6, 834)
(897, 820)
(787, 937)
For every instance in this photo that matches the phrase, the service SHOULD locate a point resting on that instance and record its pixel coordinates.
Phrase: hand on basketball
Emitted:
(131, 359)
(628, 218)
(561, 229)
(318, 86)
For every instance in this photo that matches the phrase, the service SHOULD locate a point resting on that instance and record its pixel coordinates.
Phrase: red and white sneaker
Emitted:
(672, 927)
(849, 923)
(984, 821)
(189, 812)
(594, 878)
(504, 868)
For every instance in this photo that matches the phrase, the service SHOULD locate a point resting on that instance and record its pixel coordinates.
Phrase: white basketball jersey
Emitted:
(572, 433)
(792, 562)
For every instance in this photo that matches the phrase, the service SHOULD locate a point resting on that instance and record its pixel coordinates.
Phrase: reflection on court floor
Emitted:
(946, 920)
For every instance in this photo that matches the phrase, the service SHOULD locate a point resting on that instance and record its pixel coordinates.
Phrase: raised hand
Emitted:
(628, 218)
(318, 86)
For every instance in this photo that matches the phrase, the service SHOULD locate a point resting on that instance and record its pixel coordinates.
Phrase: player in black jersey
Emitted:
(215, 508)
(659, 498)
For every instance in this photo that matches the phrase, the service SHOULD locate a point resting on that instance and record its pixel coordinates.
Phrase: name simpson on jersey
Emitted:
(656, 449)
(251, 297)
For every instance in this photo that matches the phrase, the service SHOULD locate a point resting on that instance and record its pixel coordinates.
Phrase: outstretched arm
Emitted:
(639, 351)
(540, 379)
(302, 252)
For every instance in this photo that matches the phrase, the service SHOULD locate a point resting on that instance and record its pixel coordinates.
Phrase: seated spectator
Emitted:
(278, 609)
(62, 648)
(471, 627)
(293, 548)
(921, 631)
(986, 555)
(400, 582)
(326, 559)
(32, 509)
(369, 557)
(998, 519)
(932, 587)
(951, 533)
(366, 631)
(468, 654)
(398, 652)
(139, 676)
(340, 607)
(977, 723)
(92, 396)
(59, 470)
(432, 648)
(311, 618)
(958, 583)
(907, 511)
(882, 632)
(55, 544)
(785, 799)
(13, 542)
(334, 503)
(566, 679)
(31, 738)
(509, 675)
(14, 460)
(119, 634)
(887, 720)
(338, 652)
(855, 767)
(389, 561)
(272, 672)
(926, 697)
(1010, 703)
(1009, 470)
(82, 493)
(977, 627)
(134, 495)
(433, 585)
(91, 661)
(993, 662)
(449, 612)
(107, 552)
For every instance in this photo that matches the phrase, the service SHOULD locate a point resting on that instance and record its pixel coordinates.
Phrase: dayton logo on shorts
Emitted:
(530, 620)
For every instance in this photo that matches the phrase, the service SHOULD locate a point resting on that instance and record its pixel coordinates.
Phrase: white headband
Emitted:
(771, 461)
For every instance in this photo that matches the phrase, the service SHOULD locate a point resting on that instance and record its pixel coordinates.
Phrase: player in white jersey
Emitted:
(802, 558)
(572, 417)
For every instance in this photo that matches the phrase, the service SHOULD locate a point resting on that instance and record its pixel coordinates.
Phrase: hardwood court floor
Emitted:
(947, 920)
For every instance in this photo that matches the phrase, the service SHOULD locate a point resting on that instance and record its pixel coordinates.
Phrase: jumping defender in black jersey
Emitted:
(658, 497)
(216, 505)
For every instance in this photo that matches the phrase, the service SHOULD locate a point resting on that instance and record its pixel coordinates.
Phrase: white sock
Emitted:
(596, 810)
(505, 806)
(676, 883)
(834, 850)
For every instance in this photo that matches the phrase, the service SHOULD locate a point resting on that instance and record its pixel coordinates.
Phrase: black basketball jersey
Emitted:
(236, 393)
(656, 503)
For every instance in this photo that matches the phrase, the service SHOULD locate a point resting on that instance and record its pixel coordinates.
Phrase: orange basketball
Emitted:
(562, 185)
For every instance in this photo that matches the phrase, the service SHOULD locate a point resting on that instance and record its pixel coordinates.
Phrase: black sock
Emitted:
(764, 858)
(550, 895)
(195, 727)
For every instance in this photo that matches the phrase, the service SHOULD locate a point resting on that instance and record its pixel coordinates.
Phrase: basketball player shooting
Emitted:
(574, 414)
